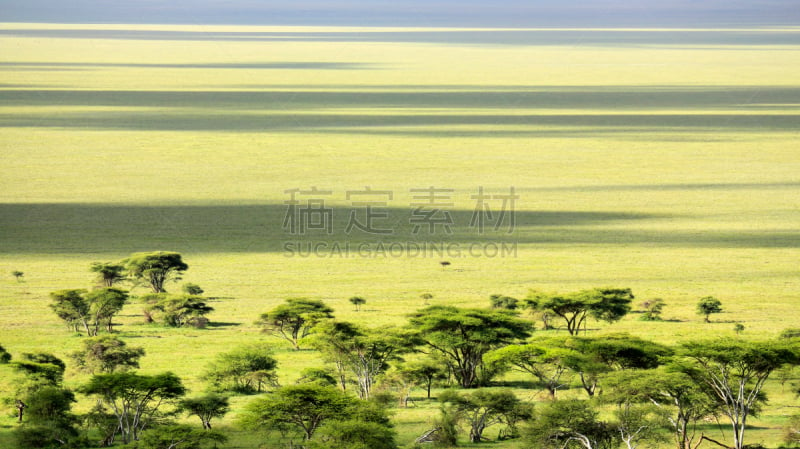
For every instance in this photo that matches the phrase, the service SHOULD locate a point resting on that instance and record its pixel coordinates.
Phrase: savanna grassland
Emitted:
(666, 161)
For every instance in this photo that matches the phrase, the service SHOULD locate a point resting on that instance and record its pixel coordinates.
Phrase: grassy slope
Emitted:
(668, 169)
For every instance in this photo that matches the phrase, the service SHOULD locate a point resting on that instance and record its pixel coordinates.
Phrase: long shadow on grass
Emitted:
(82, 228)
(462, 113)
(491, 124)
(444, 97)
(573, 37)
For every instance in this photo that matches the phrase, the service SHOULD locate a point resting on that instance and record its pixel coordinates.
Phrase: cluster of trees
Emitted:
(130, 407)
(654, 390)
(92, 310)
(652, 387)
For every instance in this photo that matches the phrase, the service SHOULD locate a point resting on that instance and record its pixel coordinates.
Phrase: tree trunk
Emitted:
(552, 392)
(20, 410)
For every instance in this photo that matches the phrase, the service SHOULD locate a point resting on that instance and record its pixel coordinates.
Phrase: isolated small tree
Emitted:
(206, 407)
(17, 275)
(652, 309)
(106, 354)
(504, 302)
(738, 328)
(444, 264)
(604, 304)
(358, 302)
(155, 269)
(294, 319)
(108, 274)
(426, 298)
(192, 289)
(247, 369)
(708, 305)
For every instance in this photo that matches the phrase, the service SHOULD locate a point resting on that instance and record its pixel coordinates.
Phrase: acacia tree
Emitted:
(104, 303)
(304, 407)
(485, 408)
(652, 309)
(735, 372)
(71, 306)
(638, 423)
(614, 352)
(605, 304)
(364, 353)
(89, 310)
(107, 273)
(358, 302)
(682, 400)
(206, 407)
(463, 336)
(247, 369)
(293, 320)
(708, 305)
(424, 372)
(547, 360)
(106, 354)
(155, 268)
(176, 310)
(134, 399)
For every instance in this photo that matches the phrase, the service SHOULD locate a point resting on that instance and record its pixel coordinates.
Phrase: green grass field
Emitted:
(661, 160)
